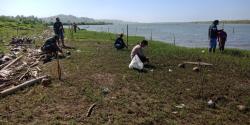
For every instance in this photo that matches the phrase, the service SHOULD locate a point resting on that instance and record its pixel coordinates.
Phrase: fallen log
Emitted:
(23, 85)
(90, 110)
(199, 63)
(11, 63)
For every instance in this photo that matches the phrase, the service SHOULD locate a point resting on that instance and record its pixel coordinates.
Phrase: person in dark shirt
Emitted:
(59, 30)
(119, 43)
(75, 27)
(222, 38)
(51, 48)
(213, 35)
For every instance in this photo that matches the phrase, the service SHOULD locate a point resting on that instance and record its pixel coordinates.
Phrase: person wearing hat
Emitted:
(119, 43)
(213, 35)
(59, 30)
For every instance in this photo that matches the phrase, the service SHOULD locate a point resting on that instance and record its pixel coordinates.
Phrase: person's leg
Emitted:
(61, 37)
(214, 50)
(223, 45)
(143, 59)
(210, 45)
(119, 47)
(210, 50)
(220, 46)
(214, 43)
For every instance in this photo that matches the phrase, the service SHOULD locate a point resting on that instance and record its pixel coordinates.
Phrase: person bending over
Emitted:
(138, 50)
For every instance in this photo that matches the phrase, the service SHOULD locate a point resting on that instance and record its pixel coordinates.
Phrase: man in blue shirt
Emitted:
(119, 43)
(213, 35)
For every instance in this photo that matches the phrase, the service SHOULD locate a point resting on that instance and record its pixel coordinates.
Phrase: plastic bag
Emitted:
(136, 63)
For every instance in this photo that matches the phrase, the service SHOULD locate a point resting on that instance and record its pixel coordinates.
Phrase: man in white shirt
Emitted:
(138, 50)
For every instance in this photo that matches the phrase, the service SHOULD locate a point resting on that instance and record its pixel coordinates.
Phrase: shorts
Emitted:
(60, 35)
(213, 43)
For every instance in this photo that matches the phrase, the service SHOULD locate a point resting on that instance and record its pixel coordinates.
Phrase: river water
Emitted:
(182, 34)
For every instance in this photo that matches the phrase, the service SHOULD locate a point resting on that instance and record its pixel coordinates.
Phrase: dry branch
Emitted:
(199, 63)
(90, 110)
(18, 87)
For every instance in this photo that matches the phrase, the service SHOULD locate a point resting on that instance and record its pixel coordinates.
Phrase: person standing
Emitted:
(59, 31)
(74, 27)
(213, 35)
(222, 38)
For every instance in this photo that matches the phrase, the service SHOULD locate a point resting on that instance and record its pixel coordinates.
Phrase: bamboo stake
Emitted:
(127, 35)
(58, 67)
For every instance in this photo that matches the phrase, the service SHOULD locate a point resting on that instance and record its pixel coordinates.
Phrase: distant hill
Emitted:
(80, 20)
(68, 19)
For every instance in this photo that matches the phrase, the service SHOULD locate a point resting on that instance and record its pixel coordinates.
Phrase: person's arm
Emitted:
(124, 43)
(57, 45)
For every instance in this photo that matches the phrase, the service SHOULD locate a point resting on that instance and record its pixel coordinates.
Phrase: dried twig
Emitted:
(90, 110)
(21, 78)
(199, 63)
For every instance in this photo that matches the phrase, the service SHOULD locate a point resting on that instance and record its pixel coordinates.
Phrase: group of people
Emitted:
(137, 49)
(53, 45)
(216, 35)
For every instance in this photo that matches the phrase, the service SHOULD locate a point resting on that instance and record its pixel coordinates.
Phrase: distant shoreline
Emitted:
(226, 22)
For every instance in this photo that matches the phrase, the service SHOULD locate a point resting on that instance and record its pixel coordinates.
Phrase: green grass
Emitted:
(134, 98)
(12, 28)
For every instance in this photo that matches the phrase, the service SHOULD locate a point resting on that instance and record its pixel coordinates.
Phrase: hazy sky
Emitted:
(132, 10)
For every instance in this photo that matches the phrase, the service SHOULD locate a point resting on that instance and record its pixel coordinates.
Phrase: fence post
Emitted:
(174, 38)
(151, 37)
(127, 35)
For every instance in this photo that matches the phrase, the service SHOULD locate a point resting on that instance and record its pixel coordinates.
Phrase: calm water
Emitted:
(184, 34)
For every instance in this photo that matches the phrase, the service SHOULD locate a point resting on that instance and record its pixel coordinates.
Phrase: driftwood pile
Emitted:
(20, 67)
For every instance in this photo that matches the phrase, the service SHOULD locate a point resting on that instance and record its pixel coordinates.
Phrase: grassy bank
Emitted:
(97, 73)
(14, 28)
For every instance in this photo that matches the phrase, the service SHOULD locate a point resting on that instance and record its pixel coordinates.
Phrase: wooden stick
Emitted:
(34, 64)
(90, 109)
(58, 67)
(199, 63)
(11, 63)
(23, 85)
(127, 35)
(24, 74)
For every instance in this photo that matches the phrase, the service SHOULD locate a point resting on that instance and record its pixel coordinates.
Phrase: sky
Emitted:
(132, 10)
